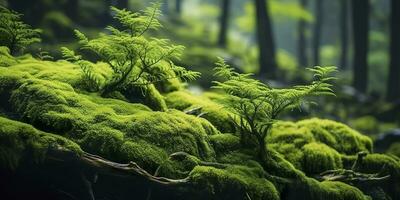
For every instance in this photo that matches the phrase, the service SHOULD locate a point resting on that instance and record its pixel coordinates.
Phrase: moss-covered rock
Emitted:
(337, 135)
(5, 58)
(103, 126)
(316, 145)
(386, 165)
(319, 157)
(311, 189)
(232, 183)
(213, 112)
(19, 141)
(224, 143)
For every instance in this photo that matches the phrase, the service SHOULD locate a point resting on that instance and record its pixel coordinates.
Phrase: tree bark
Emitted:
(393, 85)
(302, 44)
(266, 44)
(317, 31)
(178, 7)
(360, 18)
(165, 7)
(344, 31)
(222, 37)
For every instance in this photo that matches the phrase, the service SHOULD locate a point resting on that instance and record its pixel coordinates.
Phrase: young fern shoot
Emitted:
(135, 60)
(256, 106)
(15, 34)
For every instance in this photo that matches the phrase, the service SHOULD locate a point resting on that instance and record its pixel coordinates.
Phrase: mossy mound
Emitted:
(234, 182)
(386, 165)
(19, 141)
(317, 145)
(50, 96)
(5, 58)
(103, 126)
(311, 189)
(224, 143)
(213, 112)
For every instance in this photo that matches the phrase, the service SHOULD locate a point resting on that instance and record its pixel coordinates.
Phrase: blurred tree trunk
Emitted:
(178, 7)
(344, 31)
(122, 4)
(106, 16)
(72, 10)
(317, 30)
(360, 18)
(222, 37)
(33, 10)
(393, 87)
(302, 44)
(165, 7)
(266, 44)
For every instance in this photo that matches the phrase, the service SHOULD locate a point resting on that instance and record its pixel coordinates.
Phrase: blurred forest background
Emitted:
(274, 39)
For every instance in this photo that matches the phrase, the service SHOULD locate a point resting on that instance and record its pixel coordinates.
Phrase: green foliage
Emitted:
(257, 106)
(14, 33)
(135, 60)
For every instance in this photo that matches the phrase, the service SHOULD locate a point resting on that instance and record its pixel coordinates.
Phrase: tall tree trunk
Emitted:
(122, 4)
(317, 31)
(302, 44)
(222, 38)
(344, 31)
(393, 87)
(266, 44)
(178, 7)
(165, 7)
(360, 18)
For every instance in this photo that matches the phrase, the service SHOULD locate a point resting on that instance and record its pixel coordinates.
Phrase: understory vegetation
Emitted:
(67, 125)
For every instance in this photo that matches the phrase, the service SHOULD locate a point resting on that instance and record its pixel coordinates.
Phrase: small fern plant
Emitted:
(256, 106)
(135, 60)
(14, 33)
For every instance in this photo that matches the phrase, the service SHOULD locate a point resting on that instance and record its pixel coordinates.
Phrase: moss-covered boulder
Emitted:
(317, 145)
(232, 183)
(109, 127)
(20, 141)
(212, 111)
(51, 97)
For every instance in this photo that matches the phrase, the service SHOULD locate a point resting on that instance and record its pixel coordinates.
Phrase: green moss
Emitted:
(308, 188)
(334, 134)
(19, 141)
(231, 183)
(387, 165)
(319, 157)
(224, 143)
(338, 136)
(316, 145)
(102, 125)
(154, 99)
(5, 58)
(174, 131)
(143, 153)
(338, 190)
(213, 112)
